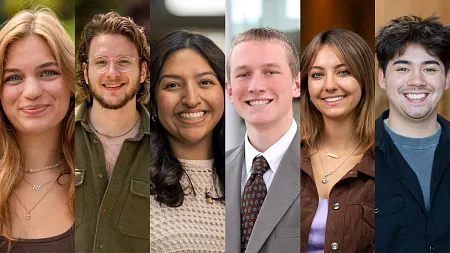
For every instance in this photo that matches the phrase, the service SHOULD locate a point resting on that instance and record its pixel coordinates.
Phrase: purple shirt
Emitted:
(316, 238)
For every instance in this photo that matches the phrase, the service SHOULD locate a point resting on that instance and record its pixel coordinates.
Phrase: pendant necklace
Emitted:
(336, 156)
(28, 216)
(35, 186)
(325, 178)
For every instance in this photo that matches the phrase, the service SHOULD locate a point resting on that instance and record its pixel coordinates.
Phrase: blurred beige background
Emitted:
(385, 10)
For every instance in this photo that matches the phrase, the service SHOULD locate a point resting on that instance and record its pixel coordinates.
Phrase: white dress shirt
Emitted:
(273, 156)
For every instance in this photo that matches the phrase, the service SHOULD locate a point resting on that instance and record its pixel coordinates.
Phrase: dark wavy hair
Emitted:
(395, 37)
(166, 170)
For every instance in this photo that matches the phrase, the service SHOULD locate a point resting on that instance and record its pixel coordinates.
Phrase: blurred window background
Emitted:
(242, 15)
(202, 16)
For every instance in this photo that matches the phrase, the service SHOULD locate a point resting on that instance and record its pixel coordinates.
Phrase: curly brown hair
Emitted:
(111, 23)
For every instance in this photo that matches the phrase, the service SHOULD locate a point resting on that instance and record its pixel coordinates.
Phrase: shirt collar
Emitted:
(381, 134)
(274, 153)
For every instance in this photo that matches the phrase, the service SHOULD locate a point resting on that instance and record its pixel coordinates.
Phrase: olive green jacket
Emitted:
(115, 216)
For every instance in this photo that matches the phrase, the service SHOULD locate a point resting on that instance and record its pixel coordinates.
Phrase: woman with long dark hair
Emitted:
(187, 81)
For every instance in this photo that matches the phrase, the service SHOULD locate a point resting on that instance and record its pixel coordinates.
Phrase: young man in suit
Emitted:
(263, 173)
(412, 153)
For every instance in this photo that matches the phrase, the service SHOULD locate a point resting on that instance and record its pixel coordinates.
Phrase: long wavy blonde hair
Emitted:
(44, 23)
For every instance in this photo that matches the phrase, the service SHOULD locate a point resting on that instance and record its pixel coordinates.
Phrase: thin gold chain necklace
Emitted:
(325, 178)
(36, 187)
(28, 216)
(334, 155)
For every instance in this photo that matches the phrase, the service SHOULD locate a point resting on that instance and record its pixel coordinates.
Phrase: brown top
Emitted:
(63, 243)
(351, 216)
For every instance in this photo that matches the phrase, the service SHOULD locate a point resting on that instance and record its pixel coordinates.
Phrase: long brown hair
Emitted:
(45, 24)
(356, 53)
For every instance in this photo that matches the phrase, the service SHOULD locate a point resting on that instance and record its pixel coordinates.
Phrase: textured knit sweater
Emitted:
(195, 226)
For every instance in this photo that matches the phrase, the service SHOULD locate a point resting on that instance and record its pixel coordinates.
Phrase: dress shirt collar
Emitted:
(274, 153)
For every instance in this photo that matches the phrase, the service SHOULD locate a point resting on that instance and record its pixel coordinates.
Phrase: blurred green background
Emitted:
(65, 9)
(138, 10)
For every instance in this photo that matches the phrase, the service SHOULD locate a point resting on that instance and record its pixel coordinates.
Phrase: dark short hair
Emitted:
(166, 170)
(111, 23)
(394, 38)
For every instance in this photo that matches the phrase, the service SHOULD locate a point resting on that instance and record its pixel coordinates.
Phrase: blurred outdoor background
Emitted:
(65, 10)
(138, 10)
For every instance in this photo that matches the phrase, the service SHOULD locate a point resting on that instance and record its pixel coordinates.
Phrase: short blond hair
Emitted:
(271, 35)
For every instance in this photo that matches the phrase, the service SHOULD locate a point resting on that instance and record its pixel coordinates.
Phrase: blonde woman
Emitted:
(36, 134)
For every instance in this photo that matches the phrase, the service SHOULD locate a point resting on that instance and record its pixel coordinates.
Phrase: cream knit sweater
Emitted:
(195, 226)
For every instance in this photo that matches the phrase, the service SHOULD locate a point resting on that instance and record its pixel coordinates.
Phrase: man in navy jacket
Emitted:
(412, 141)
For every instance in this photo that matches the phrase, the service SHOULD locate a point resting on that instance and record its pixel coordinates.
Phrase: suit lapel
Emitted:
(284, 190)
(233, 164)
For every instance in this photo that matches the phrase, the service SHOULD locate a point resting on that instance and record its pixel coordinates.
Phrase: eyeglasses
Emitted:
(121, 63)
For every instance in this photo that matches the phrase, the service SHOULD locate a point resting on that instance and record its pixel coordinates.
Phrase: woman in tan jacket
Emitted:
(337, 140)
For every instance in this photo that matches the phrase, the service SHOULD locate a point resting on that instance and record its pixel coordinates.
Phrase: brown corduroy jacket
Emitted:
(350, 223)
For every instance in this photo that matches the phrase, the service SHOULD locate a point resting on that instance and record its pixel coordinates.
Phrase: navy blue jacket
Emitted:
(402, 223)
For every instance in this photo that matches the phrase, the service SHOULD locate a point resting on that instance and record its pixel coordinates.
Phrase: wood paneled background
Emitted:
(385, 10)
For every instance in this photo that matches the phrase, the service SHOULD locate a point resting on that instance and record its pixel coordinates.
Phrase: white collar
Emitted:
(274, 153)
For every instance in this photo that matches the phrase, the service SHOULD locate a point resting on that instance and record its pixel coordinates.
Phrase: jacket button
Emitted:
(377, 210)
(334, 246)
(422, 210)
(95, 141)
(100, 175)
(336, 206)
(432, 248)
(100, 245)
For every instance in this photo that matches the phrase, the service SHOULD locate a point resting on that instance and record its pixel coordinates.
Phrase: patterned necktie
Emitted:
(252, 199)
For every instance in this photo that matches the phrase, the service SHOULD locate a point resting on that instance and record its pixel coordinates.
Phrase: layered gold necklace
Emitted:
(326, 174)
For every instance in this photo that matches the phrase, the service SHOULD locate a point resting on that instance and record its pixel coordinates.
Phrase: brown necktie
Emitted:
(252, 199)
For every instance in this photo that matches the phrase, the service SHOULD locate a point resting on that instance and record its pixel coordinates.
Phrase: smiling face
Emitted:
(261, 86)
(190, 99)
(414, 82)
(33, 94)
(111, 88)
(333, 89)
